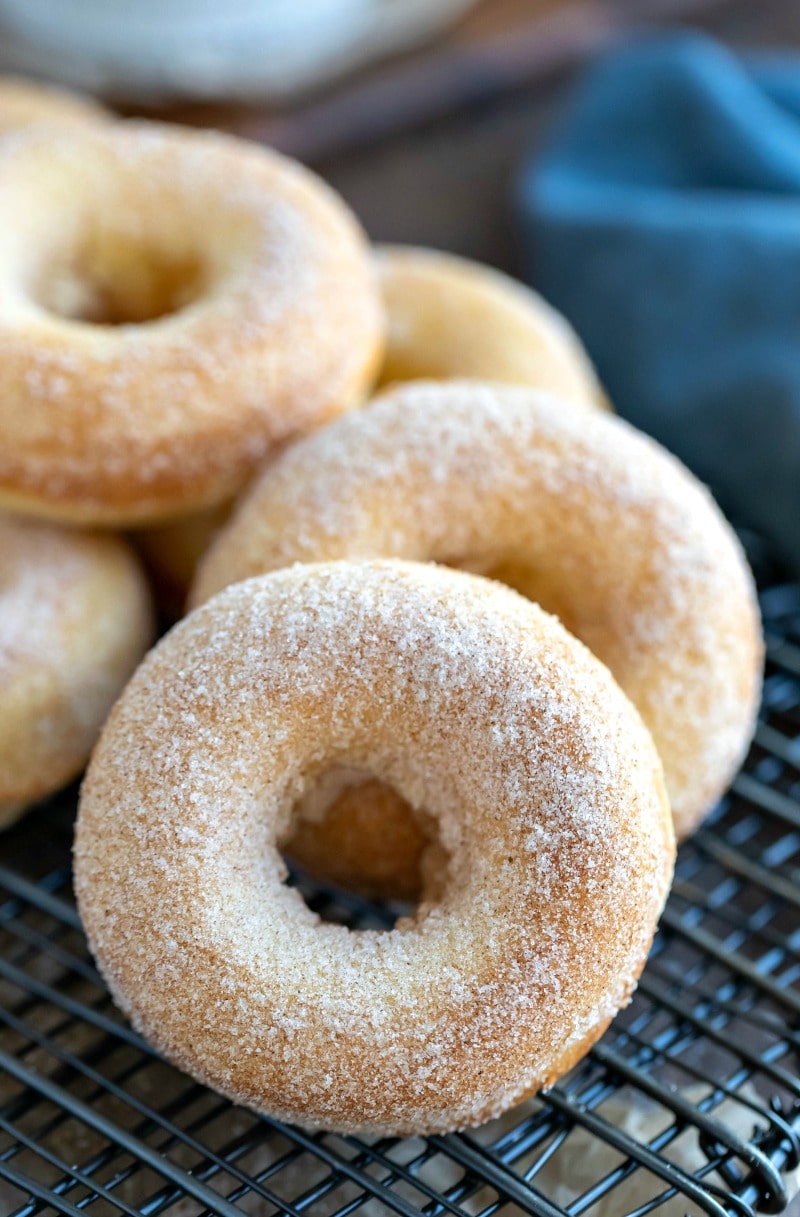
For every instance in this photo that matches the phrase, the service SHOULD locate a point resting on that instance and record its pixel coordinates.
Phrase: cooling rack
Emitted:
(690, 1104)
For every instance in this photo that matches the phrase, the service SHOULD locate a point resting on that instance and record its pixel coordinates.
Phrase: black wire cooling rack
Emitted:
(689, 1105)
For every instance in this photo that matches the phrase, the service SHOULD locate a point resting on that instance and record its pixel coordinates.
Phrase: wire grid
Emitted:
(689, 1104)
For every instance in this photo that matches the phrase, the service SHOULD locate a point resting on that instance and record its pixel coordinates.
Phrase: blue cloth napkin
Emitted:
(664, 220)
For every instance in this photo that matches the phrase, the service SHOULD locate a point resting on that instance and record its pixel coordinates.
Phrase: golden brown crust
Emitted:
(25, 103)
(75, 619)
(582, 513)
(450, 318)
(242, 304)
(473, 703)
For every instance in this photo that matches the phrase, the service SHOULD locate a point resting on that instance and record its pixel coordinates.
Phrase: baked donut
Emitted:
(451, 318)
(173, 304)
(24, 103)
(75, 619)
(172, 550)
(446, 317)
(582, 513)
(473, 703)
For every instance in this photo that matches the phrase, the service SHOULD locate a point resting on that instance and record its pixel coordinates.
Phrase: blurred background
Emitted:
(418, 111)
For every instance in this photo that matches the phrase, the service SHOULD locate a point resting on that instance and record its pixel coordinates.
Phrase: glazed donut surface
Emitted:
(451, 318)
(75, 619)
(474, 704)
(578, 510)
(24, 103)
(172, 304)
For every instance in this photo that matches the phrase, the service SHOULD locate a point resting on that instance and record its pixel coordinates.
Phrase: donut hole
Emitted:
(363, 836)
(112, 280)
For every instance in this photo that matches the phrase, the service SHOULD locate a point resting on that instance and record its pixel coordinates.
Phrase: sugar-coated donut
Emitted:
(25, 103)
(172, 304)
(449, 317)
(584, 514)
(446, 317)
(75, 619)
(475, 705)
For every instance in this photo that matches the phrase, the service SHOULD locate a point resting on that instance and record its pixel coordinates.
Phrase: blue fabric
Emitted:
(664, 220)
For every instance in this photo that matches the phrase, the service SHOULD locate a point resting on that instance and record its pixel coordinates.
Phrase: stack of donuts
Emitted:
(454, 635)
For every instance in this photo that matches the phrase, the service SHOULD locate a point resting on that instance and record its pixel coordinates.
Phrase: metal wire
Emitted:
(692, 1098)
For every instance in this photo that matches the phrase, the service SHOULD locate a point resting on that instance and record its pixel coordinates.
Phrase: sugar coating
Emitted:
(75, 619)
(473, 703)
(280, 331)
(578, 510)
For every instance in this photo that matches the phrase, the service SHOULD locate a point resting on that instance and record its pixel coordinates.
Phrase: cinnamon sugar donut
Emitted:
(584, 514)
(474, 704)
(25, 103)
(451, 318)
(446, 317)
(75, 619)
(173, 304)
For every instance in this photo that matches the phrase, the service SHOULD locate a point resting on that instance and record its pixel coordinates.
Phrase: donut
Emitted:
(172, 550)
(576, 509)
(474, 704)
(451, 318)
(24, 103)
(75, 619)
(447, 317)
(173, 304)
